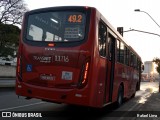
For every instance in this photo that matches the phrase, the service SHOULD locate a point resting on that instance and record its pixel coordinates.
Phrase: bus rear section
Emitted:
(54, 58)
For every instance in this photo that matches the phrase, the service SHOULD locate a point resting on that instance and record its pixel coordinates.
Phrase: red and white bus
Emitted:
(73, 55)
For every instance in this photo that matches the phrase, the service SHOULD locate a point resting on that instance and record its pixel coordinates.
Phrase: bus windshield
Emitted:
(62, 26)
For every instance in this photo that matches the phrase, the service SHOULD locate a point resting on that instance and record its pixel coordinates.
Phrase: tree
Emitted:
(9, 39)
(11, 11)
(9, 35)
(157, 61)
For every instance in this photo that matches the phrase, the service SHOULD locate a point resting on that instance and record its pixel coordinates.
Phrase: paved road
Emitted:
(10, 102)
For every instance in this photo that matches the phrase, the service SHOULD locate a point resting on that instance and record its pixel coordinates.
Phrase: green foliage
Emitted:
(5, 51)
(157, 61)
(11, 12)
(9, 34)
(9, 39)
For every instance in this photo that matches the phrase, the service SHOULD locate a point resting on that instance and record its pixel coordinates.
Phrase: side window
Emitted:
(118, 50)
(111, 46)
(126, 56)
(102, 39)
(122, 50)
(133, 60)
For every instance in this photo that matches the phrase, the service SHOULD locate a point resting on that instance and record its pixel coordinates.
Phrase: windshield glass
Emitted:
(56, 26)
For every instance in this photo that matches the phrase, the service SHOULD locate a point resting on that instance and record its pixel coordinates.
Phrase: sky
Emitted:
(120, 13)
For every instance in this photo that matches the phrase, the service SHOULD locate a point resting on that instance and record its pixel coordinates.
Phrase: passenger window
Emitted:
(132, 59)
(122, 53)
(102, 39)
(111, 47)
(118, 50)
(126, 56)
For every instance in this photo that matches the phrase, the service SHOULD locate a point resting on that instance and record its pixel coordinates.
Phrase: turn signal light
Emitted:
(84, 75)
(19, 68)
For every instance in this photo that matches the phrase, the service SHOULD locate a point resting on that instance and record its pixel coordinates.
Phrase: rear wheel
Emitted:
(120, 96)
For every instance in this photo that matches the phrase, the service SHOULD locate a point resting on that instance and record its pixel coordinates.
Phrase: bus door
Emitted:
(110, 67)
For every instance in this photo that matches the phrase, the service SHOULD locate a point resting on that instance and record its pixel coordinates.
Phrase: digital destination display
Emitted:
(75, 18)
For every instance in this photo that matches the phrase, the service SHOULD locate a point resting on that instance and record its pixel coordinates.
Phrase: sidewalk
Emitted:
(7, 82)
(150, 109)
(153, 103)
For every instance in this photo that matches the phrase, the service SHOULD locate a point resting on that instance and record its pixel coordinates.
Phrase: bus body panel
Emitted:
(48, 70)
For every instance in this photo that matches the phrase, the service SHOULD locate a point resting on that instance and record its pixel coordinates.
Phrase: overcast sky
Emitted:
(120, 13)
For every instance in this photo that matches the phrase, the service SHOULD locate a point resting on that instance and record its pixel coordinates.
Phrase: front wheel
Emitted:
(120, 96)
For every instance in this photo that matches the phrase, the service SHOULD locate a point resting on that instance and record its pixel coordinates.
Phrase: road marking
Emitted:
(21, 106)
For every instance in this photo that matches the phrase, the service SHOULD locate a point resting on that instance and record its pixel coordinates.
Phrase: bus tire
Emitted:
(120, 96)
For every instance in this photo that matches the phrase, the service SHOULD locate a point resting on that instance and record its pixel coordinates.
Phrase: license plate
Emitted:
(67, 75)
(47, 77)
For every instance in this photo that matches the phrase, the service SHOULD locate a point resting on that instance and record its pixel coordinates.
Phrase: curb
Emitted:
(7, 78)
(7, 82)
